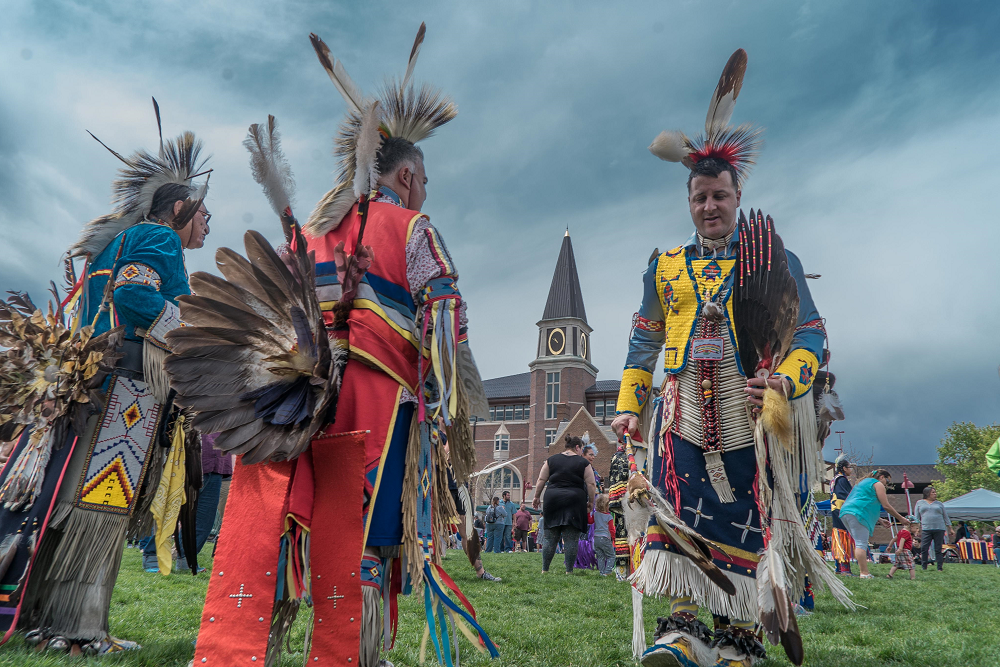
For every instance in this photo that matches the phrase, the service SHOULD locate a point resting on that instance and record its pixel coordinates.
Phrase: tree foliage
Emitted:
(962, 459)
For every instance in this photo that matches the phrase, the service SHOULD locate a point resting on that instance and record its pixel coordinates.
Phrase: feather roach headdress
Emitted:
(398, 110)
(178, 161)
(736, 145)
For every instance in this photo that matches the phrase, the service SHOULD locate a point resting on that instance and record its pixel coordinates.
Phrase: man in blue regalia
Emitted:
(101, 481)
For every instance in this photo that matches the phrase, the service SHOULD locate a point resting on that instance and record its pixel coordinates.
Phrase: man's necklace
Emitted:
(714, 245)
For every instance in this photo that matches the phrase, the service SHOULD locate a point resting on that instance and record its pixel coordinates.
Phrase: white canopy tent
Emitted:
(976, 505)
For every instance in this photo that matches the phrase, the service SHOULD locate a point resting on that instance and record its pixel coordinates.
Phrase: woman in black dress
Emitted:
(568, 500)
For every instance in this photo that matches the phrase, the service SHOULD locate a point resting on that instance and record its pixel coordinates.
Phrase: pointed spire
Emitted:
(565, 297)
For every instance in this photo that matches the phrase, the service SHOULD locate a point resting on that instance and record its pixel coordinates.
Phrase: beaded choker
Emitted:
(714, 245)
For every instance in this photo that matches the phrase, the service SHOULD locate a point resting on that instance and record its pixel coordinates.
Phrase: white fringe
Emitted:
(665, 573)
(153, 373)
(371, 626)
(638, 627)
(789, 538)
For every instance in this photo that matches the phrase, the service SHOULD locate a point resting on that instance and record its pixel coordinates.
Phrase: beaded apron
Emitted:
(709, 407)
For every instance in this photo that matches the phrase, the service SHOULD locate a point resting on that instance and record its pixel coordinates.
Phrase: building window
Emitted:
(551, 394)
(501, 413)
(550, 436)
(501, 442)
(605, 408)
(504, 479)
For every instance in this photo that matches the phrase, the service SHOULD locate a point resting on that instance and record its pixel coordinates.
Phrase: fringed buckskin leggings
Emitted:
(571, 540)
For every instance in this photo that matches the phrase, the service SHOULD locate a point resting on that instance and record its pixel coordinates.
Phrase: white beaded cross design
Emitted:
(239, 597)
(698, 514)
(746, 527)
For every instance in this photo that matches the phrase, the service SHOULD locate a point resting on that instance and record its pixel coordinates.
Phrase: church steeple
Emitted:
(563, 331)
(561, 372)
(565, 298)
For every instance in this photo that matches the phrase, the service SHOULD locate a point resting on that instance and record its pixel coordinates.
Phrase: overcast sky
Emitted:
(880, 165)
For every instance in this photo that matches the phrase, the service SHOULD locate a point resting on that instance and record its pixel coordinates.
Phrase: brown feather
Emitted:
(224, 420)
(240, 272)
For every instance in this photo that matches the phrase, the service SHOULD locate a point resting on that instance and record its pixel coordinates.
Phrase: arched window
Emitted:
(505, 479)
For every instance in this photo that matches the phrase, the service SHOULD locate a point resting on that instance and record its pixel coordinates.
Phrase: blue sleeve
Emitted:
(648, 329)
(150, 258)
(809, 333)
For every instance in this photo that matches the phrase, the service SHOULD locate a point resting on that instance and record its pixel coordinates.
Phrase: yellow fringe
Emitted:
(776, 417)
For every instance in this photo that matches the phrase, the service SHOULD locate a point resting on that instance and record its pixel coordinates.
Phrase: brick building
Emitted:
(560, 394)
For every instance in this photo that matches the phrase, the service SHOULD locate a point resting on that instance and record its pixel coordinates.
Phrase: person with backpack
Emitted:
(495, 517)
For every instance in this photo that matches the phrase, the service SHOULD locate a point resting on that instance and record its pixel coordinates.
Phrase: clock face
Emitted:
(583, 345)
(557, 341)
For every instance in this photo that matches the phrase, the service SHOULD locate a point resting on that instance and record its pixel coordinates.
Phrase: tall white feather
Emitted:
(672, 146)
(366, 153)
(720, 109)
(414, 52)
(335, 70)
(638, 625)
(466, 498)
(268, 164)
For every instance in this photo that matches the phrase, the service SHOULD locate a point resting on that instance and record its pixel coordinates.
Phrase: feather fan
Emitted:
(765, 297)
(255, 362)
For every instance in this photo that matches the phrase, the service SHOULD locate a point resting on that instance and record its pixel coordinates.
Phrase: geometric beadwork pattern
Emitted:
(138, 274)
(116, 462)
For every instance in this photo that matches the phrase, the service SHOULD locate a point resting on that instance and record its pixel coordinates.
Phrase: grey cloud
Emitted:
(881, 121)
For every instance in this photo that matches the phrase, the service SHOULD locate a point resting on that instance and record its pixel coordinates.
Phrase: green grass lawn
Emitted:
(942, 619)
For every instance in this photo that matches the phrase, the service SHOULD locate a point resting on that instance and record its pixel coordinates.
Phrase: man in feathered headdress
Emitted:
(100, 480)
(361, 508)
(733, 440)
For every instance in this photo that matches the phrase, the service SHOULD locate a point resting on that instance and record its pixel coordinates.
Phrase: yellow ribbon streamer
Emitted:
(169, 496)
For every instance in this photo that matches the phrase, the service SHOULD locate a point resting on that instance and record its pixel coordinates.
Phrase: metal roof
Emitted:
(605, 387)
(918, 473)
(565, 298)
(508, 386)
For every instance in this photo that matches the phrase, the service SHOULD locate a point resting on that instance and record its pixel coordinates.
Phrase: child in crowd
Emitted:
(904, 553)
(604, 535)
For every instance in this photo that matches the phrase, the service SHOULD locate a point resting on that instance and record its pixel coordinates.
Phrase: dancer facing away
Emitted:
(343, 482)
(103, 472)
(742, 343)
